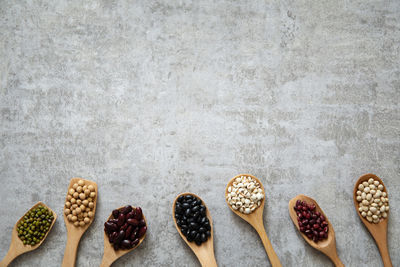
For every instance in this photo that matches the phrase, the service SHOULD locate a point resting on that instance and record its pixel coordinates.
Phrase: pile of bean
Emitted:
(373, 201)
(34, 226)
(245, 194)
(125, 227)
(190, 215)
(311, 222)
(79, 207)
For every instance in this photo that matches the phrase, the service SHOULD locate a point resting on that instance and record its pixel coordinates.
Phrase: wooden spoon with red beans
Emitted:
(314, 226)
(124, 231)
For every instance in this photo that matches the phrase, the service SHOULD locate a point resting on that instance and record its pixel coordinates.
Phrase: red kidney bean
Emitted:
(126, 243)
(126, 209)
(111, 227)
(121, 220)
(120, 237)
(126, 227)
(138, 213)
(142, 231)
(115, 213)
(128, 232)
(113, 220)
(130, 215)
(135, 242)
(113, 236)
(133, 222)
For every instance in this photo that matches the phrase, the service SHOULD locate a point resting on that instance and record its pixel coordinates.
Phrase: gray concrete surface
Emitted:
(153, 98)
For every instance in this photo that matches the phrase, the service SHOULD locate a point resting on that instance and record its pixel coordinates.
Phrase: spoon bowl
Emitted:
(110, 254)
(377, 230)
(326, 246)
(255, 219)
(17, 247)
(74, 233)
(204, 252)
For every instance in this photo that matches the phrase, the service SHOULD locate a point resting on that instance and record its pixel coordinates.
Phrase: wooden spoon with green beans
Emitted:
(40, 219)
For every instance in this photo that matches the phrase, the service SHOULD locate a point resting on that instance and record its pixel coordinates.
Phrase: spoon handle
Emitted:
(337, 262)
(208, 262)
(273, 258)
(105, 262)
(383, 249)
(11, 255)
(71, 250)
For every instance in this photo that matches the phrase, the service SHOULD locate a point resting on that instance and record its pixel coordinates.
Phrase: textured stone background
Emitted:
(153, 98)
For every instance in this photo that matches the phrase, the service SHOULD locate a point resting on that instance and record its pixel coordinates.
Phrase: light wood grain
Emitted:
(377, 230)
(17, 247)
(74, 233)
(110, 255)
(255, 219)
(326, 246)
(204, 252)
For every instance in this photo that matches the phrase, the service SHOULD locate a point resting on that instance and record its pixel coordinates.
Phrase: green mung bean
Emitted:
(34, 225)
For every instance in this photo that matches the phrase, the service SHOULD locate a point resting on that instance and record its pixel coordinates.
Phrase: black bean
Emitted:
(203, 211)
(193, 225)
(193, 234)
(203, 237)
(188, 213)
(191, 219)
(178, 208)
(195, 208)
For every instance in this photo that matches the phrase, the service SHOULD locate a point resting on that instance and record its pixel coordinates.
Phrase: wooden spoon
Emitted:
(110, 254)
(377, 230)
(326, 246)
(255, 219)
(17, 247)
(74, 233)
(204, 252)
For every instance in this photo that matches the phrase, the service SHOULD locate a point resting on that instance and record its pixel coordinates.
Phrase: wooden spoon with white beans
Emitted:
(74, 233)
(255, 219)
(377, 230)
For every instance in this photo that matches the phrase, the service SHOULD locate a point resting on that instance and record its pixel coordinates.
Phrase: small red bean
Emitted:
(311, 222)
